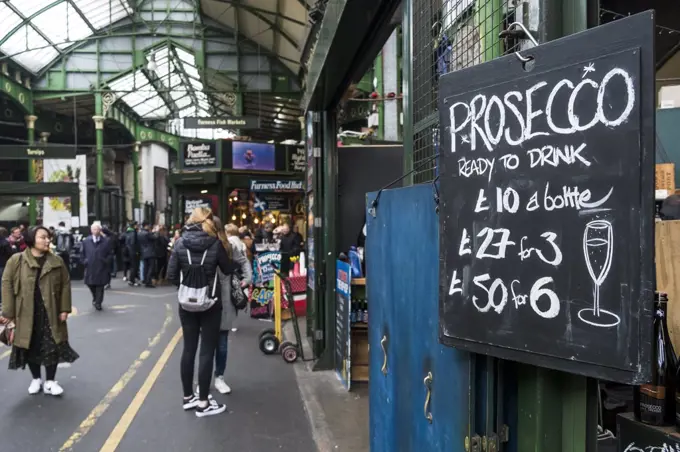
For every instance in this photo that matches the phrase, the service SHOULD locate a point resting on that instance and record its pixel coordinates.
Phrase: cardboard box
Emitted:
(665, 177)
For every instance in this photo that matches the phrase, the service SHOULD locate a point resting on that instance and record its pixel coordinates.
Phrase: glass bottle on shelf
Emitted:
(655, 401)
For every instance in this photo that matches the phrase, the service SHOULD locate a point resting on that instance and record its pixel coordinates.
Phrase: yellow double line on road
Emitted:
(117, 388)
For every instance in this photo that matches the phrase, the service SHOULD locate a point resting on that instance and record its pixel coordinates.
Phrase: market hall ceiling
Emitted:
(210, 49)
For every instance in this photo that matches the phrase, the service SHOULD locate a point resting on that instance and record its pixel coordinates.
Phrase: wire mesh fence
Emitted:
(449, 35)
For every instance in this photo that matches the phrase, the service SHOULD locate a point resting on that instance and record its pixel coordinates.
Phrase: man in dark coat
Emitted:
(290, 247)
(147, 246)
(97, 260)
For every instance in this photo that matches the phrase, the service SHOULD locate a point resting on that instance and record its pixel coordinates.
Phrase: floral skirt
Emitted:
(43, 351)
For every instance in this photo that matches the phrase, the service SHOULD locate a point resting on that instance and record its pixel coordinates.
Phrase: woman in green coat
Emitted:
(36, 293)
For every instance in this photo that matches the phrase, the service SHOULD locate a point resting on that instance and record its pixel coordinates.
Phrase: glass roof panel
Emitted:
(101, 13)
(62, 33)
(18, 44)
(55, 24)
(10, 20)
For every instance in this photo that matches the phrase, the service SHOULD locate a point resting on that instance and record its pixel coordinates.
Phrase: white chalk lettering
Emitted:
(475, 167)
(480, 207)
(509, 161)
(554, 155)
(571, 197)
(537, 292)
(464, 242)
(453, 289)
(500, 245)
(503, 200)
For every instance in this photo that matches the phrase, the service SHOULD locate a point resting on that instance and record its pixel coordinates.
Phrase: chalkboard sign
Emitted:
(547, 192)
(343, 326)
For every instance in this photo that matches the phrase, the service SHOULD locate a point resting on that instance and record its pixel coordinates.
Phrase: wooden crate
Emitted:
(665, 177)
(667, 255)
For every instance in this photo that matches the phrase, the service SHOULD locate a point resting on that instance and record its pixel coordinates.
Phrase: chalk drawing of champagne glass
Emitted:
(598, 247)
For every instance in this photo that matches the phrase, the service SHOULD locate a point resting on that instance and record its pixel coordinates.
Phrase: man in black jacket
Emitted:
(290, 247)
(147, 246)
(132, 253)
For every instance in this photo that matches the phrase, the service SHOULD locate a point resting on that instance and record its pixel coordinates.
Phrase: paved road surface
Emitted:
(124, 393)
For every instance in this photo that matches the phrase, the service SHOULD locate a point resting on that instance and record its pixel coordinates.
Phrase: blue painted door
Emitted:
(422, 402)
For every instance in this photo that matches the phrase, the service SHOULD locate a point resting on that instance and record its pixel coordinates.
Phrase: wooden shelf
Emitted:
(358, 281)
(360, 326)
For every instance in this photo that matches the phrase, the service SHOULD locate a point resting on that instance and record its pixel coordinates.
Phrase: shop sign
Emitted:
(273, 202)
(227, 122)
(261, 302)
(547, 192)
(37, 152)
(275, 185)
(342, 322)
(298, 160)
(199, 155)
(191, 203)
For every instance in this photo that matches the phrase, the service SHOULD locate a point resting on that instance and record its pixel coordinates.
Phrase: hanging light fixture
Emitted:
(243, 216)
(233, 217)
(151, 65)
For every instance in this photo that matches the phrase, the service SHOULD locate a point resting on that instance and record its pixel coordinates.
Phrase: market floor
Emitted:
(124, 394)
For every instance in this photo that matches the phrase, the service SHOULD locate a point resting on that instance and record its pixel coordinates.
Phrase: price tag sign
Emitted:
(547, 190)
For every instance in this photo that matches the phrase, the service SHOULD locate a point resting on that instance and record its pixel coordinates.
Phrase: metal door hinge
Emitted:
(317, 222)
(316, 152)
(473, 444)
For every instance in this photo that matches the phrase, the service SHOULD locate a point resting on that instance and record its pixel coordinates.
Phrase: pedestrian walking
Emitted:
(64, 244)
(229, 238)
(6, 252)
(161, 246)
(131, 250)
(200, 252)
(36, 289)
(147, 246)
(97, 260)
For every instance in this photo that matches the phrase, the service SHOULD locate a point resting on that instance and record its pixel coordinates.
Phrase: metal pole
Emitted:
(32, 204)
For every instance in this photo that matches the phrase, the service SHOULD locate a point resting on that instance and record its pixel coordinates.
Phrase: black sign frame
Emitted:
(223, 122)
(38, 151)
(629, 39)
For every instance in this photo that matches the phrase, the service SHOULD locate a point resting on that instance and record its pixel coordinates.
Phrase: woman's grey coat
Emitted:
(245, 272)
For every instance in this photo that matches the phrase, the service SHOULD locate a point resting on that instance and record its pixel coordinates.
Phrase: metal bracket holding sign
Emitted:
(546, 205)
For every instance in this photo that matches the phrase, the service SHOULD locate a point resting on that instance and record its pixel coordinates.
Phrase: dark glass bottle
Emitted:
(655, 402)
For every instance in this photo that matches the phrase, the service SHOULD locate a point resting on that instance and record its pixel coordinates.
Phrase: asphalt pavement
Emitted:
(124, 393)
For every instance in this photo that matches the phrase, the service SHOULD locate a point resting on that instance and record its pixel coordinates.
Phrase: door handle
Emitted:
(382, 345)
(427, 381)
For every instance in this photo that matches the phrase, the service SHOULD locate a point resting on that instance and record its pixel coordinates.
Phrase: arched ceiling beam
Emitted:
(26, 21)
(120, 31)
(254, 9)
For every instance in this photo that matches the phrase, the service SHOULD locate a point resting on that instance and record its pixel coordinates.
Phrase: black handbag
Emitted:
(238, 296)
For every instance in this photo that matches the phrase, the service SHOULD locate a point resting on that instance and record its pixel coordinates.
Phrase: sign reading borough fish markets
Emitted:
(276, 185)
(547, 204)
(226, 122)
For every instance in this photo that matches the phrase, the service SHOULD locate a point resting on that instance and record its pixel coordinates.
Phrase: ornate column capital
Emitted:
(30, 121)
(137, 146)
(99, 122)
(44, 136)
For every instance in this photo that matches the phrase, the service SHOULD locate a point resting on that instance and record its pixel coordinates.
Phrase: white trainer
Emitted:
(52, 388)
(221, 386)
(35, 386)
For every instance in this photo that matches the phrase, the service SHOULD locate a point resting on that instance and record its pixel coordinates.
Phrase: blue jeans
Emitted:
(221, 353)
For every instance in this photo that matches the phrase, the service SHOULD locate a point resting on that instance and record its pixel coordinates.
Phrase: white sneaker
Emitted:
(221, 386)
(124, 278)
(52, 388)
(211, 409)
(35, 386)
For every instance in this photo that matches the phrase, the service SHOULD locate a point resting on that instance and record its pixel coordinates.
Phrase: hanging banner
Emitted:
(547, 201)
(261, 302)
(57, 208)
(38, 151)
(200, 155)
(227, 122)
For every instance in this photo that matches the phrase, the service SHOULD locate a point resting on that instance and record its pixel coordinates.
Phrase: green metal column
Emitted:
(407, 87)
(379, 88)
(32, 202)
(99, 142)
(328, 225)
(135, 177)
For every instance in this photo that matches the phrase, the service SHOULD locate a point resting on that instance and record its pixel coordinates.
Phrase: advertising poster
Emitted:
(191, 203)
(199, 155)
(310, 241)
(261, 302)
(297, 160)
(264, 266)
(57, 208)
(253, 156)
(342, 322)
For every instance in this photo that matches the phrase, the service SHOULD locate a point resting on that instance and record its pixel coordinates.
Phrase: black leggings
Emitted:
(205, 325)
(50, 371)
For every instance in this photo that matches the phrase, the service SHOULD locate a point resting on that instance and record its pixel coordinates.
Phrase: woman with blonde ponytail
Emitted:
(200, 243)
